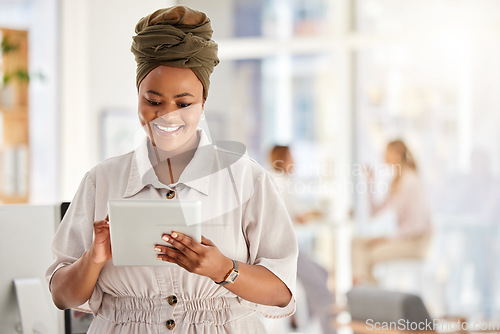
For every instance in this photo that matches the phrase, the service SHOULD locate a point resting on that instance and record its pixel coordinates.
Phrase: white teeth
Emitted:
(169, 128)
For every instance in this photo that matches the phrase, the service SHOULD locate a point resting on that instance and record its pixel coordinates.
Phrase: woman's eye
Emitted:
(153, 103)
(184, 105)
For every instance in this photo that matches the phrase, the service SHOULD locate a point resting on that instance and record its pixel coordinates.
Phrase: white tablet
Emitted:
(136, 226)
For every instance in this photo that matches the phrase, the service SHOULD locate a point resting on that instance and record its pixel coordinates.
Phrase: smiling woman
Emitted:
(170, 106)
(238, 268)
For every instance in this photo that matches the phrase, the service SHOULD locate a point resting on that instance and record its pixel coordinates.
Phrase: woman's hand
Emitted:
(100, 250)
(203, 259)
(73, 285)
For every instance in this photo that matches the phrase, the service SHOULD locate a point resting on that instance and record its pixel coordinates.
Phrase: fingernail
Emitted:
(158, 258)
(157, 249)
(174, 235)
(165, 238)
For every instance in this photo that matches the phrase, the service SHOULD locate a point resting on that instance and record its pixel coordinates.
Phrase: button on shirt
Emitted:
(242, 213)
(170, 324)
(172, 300)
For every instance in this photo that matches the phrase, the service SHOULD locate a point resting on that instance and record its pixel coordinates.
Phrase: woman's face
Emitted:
(170, 105)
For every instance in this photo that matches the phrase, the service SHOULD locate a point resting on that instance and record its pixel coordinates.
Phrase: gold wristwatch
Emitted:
(231, 276)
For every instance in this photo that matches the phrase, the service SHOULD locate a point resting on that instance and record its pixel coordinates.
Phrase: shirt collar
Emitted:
(196, 175)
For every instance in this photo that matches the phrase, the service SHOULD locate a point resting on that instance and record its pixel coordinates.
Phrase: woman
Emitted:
(241, 209)
(407, 198)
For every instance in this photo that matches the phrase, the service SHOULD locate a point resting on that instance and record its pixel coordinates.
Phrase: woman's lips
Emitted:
(167, 130)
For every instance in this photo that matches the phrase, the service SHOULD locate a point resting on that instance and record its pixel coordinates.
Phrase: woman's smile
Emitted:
(167, 130)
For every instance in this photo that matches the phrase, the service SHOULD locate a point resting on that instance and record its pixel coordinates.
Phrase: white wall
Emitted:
(98, 73)
(44, 103)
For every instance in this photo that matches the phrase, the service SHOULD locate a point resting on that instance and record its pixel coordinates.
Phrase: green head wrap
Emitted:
(178, 37)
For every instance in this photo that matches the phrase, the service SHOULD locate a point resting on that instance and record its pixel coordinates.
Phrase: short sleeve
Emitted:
(75, 233)
(271, 240)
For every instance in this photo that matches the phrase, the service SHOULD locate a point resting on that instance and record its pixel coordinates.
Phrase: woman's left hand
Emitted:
(200, 258)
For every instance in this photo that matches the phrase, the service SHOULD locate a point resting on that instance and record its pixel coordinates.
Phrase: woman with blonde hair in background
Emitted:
(407, 198)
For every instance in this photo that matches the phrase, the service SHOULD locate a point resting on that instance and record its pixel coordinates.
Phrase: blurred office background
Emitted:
(335, 79)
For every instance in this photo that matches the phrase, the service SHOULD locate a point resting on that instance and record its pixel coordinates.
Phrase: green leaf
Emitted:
(7, 46)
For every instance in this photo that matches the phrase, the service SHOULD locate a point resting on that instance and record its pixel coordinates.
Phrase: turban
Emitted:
(179, 37)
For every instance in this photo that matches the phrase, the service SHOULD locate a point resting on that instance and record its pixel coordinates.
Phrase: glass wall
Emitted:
(432, 83)
(339, 79)
(270, 18)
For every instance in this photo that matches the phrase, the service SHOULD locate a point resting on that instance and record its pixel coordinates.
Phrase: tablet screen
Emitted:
(136, 226)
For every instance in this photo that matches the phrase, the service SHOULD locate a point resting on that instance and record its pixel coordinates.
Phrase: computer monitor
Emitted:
(25, 252)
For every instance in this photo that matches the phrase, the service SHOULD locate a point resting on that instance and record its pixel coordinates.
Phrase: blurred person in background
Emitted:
(407, 198)
(311, 276)
(283, 164)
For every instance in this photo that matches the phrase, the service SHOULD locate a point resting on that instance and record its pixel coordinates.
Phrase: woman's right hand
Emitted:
(100, 250)
(73, 285)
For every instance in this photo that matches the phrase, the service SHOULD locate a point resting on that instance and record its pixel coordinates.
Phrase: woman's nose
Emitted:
(165, 110)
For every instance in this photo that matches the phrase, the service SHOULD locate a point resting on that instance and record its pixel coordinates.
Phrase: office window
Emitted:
(433, 84)
(267, 18)
(394, 17)
(427, 72)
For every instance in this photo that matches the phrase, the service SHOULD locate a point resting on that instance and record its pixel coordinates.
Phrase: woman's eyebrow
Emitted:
(155, 92)
(183, 94)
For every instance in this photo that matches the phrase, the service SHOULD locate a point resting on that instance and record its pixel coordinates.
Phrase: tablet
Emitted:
(136, 226)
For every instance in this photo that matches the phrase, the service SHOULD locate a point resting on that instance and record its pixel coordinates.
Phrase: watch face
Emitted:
(232, 277)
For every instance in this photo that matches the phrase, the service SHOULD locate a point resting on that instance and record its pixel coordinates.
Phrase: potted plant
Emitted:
(7, 93)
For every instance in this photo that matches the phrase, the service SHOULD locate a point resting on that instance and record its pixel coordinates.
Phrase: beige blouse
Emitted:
(242, 213)
(410, 205)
